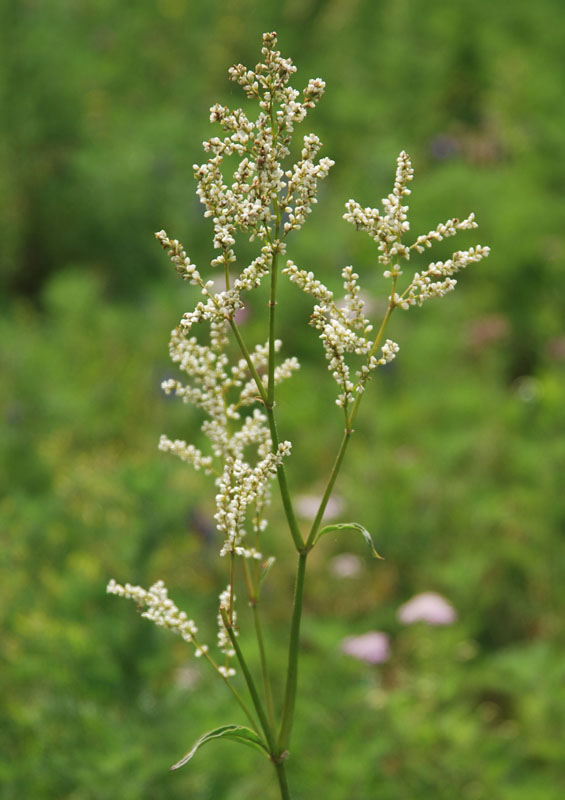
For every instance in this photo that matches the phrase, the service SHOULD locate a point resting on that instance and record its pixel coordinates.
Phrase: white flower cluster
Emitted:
(303, 183)
(344, 328)
(443, 231)
(260, 190)
(389, 351)
(437, 279)
(255, 201)
(264, 200)
(161, 610)
(386, 229)
(239, 486)
(186, 452)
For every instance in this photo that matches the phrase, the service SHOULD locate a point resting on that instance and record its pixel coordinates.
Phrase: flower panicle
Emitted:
(263, 200)
(344, 329)
(240, 486)
(161, 610)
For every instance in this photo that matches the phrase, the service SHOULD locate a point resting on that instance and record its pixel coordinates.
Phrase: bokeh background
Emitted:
(457, 468)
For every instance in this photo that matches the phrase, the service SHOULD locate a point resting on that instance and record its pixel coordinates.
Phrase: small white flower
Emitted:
(227, 672)
(389, 351)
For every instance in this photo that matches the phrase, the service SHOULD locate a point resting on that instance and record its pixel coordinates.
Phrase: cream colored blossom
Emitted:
(344, 327)
(160, 609)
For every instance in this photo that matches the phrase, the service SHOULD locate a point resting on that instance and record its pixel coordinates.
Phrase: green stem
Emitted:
(253, 594)
(348, 431)
(283, 486)
(264, 667)
(250, 685)
(329, 488)
(270, 404)
(250, 364)
(272, 317)
(281, 775)
(235, 693)
(292, 669)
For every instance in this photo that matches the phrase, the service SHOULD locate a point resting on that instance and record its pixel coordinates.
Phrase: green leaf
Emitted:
(354, 526)
(238, 733)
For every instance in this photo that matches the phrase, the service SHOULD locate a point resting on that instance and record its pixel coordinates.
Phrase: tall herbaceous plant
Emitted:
(269, 199)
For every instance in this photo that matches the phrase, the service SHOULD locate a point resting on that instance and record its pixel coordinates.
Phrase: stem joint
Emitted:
(278, 759)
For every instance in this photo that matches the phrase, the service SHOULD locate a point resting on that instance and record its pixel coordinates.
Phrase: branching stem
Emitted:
(267, 730)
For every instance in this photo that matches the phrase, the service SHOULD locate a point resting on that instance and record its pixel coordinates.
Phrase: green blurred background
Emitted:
(457, 468)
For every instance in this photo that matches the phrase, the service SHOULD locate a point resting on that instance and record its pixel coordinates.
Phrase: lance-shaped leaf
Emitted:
(353, 526)
(237, 733)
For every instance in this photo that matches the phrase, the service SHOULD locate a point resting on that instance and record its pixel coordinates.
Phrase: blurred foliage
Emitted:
(458, 462)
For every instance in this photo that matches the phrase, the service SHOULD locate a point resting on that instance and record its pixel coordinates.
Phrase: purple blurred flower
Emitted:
(372, 647)
(427, 607)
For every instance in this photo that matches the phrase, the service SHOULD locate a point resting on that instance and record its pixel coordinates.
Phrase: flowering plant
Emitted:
(268, 199)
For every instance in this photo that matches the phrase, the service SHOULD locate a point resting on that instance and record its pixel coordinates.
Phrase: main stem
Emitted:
(281, 775)
(270, 401)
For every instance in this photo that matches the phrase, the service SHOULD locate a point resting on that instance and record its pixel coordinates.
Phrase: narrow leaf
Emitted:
(354, 526)
(237, 733)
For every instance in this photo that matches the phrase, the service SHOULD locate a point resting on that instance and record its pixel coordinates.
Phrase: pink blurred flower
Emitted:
(346, 565)
(372, 647)
(427, 607)
(307, 506)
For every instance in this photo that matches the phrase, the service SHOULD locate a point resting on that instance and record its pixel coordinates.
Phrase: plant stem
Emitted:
(292, 669)
(235, 693)
(253, 594)
(329, 488)
(267, 730)
(264, 668)
(250, 364)
(348, 431)
(283, 487)
(272, 316)
(270, 404)
(281, 775)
